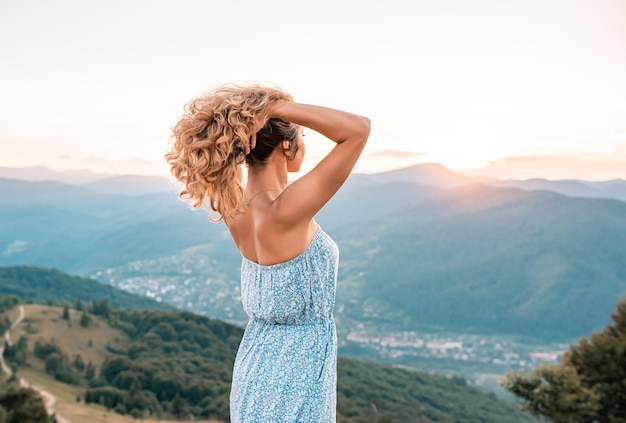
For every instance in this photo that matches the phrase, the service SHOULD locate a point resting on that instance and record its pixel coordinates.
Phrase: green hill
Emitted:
(44, 285)
(159, 364)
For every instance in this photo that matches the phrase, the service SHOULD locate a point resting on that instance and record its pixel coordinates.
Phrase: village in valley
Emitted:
(462, 348)
(468, 355)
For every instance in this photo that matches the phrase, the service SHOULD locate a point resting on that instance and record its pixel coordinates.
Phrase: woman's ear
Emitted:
(286, 145)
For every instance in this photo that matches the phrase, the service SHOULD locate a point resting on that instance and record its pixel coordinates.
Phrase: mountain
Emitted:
(72, 228)
(16, 192)
(615, 189)
(428, 254)
(131, 185)
(44, 285)
(42, 173)
(431, 174)
(436, 175)
(102, 183)
(488, 260)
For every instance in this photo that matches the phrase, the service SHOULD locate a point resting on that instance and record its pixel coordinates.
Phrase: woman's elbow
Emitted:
(364, 128)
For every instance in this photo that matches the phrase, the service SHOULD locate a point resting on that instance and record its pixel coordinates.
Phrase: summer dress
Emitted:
(286, 366)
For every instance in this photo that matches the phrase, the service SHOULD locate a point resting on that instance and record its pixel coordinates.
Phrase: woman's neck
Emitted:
(273, 176)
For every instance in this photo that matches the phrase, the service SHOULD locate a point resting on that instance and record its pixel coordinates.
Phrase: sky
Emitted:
(508, 88)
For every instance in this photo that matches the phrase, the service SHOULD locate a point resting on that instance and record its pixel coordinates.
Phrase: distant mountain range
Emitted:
(42, 173)
(436, 175)
(431, 174)
(421, 247)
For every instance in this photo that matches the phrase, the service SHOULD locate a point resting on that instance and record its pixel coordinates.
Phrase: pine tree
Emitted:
(100, 308)
(85, 320)
(78, 363)
(90, 371)
(66, 313)
(79, 306)
(21, 352)
(587, 385)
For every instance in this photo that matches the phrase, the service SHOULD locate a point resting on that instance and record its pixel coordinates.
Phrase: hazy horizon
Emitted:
(85, 175)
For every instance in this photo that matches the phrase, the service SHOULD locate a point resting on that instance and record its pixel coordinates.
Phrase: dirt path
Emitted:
(49, 399)
(7, 338)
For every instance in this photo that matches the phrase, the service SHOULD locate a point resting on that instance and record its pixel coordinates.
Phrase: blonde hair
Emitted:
(209, 142)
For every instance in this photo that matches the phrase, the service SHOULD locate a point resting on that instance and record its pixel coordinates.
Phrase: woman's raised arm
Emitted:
(305, 197)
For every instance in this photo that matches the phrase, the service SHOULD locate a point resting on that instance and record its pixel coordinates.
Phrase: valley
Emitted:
(460, 276)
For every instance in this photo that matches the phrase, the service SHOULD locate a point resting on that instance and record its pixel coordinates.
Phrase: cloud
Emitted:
(588, 167)
(388, 159)
(98, 164)
(396, 154)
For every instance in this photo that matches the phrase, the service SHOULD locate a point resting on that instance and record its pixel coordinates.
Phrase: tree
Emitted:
(100, 308)
(21, 405)
(587, 385)
(7, 302)
(78, 363)
(66, 312)
(85, 319)
(178, 407)
(79, 306)
(5, 324)
(21, 350)
(90, 371)
(17, 353)
(59, 366)
(44, 350)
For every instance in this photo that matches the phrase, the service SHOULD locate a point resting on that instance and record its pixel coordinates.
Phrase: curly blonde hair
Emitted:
(209, 142)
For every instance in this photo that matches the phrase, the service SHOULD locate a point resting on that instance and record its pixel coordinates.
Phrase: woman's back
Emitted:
(285, 369)
(263, 241)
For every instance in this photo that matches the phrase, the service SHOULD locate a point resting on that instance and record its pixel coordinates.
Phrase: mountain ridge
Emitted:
(433, 174)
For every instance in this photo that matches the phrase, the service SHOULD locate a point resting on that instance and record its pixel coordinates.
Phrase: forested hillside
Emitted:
(177, 365)
(43, 285)
(487, 260)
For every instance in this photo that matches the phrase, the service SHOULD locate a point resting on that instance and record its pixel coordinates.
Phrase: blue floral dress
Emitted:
(286, 366)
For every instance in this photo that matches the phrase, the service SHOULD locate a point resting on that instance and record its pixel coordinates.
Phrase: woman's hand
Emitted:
(250, 146)
(301, 200)
(272, 103)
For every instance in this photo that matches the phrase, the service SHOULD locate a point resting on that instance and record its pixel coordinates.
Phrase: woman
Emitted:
(285, 369)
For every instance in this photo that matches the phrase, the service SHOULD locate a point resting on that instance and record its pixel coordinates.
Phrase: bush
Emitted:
(44, 350)
(78, 363)
(21, 405)
(59, 366)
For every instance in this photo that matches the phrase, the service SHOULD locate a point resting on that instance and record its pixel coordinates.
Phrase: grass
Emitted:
(45, 323)
(12, 314)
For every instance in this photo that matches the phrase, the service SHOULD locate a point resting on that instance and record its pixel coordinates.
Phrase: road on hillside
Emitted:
(7, 339)
(49, 399)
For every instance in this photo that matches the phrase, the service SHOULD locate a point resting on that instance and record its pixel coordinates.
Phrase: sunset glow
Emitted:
(512, 89)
